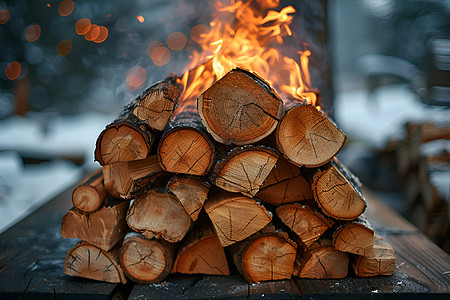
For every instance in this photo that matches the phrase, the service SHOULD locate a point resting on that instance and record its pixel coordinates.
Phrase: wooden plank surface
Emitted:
(32, 256)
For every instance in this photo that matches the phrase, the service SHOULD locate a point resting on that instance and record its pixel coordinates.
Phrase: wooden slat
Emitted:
(32, 256)
(193, 287)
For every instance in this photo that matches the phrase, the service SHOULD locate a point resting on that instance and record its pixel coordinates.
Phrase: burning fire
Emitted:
(249, 35)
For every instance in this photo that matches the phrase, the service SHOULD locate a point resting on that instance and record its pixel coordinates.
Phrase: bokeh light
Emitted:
(4, 16)
(176, 40)
(152, 46)
(103, 34)
(33, 32)
(82, 26)
(13, 70)
(161, 56)
(92, 33)
(65, 8)
(197, 31)
(135, 77)
(140, 19)
(64, 47)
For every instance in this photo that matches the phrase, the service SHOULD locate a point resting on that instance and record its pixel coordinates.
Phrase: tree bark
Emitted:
(104, 228)
(87, 261)
(378, 261)
(201, 252)
(157, 103)
(185, 146)
(337, 192)
(234, 216)
(159, 213)
(307, 137)
(284, 184)
(240, 108)
(90, 195)
(191, 191)
(321, 261)
(354, 237)
(307, 223)
(126, 139)
(244, 169)
(146, 261)
(266, 255)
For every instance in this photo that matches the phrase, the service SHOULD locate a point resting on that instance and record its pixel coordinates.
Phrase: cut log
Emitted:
(146, 261)
(284, 184)
(159, 213)
(185, 146)
(266, 255)
(90, 195)
(307, 223)
(307, 137)
(109, 182)
(337, 193)
(126, 139)
(354, 237)
(234, 216)
(136, 177)
(244, 169)
(240, 108)
(157, 103)
(201, 252)
(103, 228)
(87, 261)
(378, 261)
(191, 191)
(321, 261)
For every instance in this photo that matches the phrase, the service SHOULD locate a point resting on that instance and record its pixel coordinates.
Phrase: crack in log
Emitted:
(212, 267)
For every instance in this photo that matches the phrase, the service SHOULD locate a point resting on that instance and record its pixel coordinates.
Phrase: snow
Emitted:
(373, 119)
(23, 188)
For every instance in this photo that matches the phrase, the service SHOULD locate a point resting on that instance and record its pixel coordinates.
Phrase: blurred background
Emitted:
(67, 68)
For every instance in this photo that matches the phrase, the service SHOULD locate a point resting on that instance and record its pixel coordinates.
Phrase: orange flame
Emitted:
(251, 37)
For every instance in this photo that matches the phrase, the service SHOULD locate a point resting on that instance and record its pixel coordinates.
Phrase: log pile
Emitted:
(239, 180)
(420, 159)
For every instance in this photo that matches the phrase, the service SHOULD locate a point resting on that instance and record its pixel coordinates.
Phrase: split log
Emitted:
(109, 182)
(240, 108)
(185, 146)
(307, 137)
(191, 191)
(133, 178)
(126, 139)
(87, 261)
(378, 261)
(266, 255)
(284, 184)
(90, 195)
(354, 237)
(157, 103)
(234, 216)
(244, 169)
(337, 192)
(307, 223)
(159, 213)
(321, 261)
(146, 261)
(103, 228)
(201, 252)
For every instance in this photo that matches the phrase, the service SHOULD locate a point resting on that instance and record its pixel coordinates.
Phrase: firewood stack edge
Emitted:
(234, 181)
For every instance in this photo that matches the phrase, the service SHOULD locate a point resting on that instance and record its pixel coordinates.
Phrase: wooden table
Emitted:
(32, 254)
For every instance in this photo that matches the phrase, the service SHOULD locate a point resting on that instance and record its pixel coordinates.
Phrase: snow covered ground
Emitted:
(367, 121)
(23, 188)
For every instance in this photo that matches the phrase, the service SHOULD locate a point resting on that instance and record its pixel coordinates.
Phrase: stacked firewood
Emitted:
(234, 180)
(420, 158)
